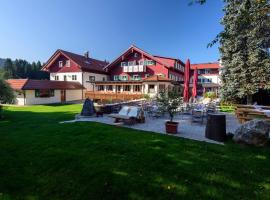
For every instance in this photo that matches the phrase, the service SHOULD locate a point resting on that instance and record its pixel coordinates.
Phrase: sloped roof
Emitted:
(29, 84)
(86, 64)
(133, 47)
(170, 61)
(214, 65)
(156, 78)
(17, 84)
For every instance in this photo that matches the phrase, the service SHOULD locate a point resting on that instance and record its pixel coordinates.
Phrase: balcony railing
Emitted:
(113, 95)
(134, 68)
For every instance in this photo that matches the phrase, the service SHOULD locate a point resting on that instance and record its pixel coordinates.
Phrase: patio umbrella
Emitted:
(195, 81)
(186, 84)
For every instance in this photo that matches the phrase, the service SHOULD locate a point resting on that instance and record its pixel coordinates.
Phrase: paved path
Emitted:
(187, 129)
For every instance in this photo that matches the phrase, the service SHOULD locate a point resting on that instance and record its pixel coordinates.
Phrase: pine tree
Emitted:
(244, 48)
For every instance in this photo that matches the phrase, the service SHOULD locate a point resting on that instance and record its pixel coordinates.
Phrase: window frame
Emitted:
(74, 77)
(60, 63)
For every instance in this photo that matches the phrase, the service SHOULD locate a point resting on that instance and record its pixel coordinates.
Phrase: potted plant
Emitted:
(169, 101)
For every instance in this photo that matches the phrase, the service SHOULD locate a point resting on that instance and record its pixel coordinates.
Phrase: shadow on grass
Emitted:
(42, 159)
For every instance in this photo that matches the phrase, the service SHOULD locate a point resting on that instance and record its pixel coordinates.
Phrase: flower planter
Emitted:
(171, 127)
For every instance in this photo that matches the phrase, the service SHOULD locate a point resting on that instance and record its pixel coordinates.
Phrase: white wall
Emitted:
(32, 100)
(156, 90)
(73, 95)
(69, 76)
(19, 100)
(82, 78)
(214, 78)
(98, 77)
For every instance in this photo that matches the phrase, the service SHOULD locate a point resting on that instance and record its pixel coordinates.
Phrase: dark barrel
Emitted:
(216, 127)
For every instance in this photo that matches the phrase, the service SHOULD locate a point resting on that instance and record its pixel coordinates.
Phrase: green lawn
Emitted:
(42, 159)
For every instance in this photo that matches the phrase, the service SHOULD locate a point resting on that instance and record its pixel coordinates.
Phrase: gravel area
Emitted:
(187, 128)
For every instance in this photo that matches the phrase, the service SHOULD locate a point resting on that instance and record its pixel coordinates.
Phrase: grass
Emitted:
(42, 159)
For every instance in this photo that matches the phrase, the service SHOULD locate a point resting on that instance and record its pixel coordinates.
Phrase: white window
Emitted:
(135, 55)
(137, 88)
(116, 78)
(100, 87)
(136, 77)
(126, 88)
(151, 88)
(124, 77)
(68, 63)
(149, 62)
(103, 79)
(131, 63)
(124, 64)
(60, 64)
(56, 78)
(91, 78)
(147, 75)
(74, 77)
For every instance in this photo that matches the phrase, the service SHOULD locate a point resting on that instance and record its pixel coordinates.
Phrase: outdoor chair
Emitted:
(197, 116)
(129, 115)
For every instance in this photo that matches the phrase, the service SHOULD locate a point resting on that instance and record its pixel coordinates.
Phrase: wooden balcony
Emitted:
(124, 96)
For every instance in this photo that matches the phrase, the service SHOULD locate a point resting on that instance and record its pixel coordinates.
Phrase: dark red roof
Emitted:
(29, 84)
(214, 65)
(170, 61)
(86, 64)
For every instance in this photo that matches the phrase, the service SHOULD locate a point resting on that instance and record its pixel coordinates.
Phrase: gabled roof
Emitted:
(214, 65)
(29, 84)
(156, 78)
(86, 64)
(132, 48)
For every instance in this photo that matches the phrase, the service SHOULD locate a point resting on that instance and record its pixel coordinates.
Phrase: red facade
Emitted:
(158, 66)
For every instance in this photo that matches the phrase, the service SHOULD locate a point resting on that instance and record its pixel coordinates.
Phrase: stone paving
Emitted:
(186, 129)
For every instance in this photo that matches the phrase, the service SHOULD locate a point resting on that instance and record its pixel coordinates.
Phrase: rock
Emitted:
(88, 108)
(254, 132)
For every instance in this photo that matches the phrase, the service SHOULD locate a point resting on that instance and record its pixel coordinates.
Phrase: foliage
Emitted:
(146, 96)
(244, 48)
(82, 161)
(169, 101)
(22, 69)
(6, 92)
(1, 112)
(211, 95)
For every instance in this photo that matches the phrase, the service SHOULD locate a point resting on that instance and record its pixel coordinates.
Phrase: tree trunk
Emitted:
(249, 99)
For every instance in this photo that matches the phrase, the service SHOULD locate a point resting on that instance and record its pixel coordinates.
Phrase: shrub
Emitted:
(211, 95)
(169, 100)
(6, 92)
(1, 112)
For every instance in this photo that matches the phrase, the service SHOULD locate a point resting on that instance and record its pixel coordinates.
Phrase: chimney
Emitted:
(86, 54)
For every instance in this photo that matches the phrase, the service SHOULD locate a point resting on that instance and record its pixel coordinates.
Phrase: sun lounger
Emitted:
(129, 115)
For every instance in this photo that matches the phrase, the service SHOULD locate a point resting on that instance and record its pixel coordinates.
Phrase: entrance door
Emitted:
(63, 96)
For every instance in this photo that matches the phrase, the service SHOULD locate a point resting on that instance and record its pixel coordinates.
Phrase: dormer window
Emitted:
(68, 63)
(60, 64)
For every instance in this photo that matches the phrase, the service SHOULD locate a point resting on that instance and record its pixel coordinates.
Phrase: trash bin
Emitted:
(216, 127)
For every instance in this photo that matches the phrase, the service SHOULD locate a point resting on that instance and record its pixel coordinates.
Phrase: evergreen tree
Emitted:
(6, 92)
(244, 48)
(8, 66)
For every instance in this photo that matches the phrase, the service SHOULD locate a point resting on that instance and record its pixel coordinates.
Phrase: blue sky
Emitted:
(34, 29)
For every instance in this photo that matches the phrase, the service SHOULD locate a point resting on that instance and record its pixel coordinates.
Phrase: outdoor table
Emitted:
(216, 127)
